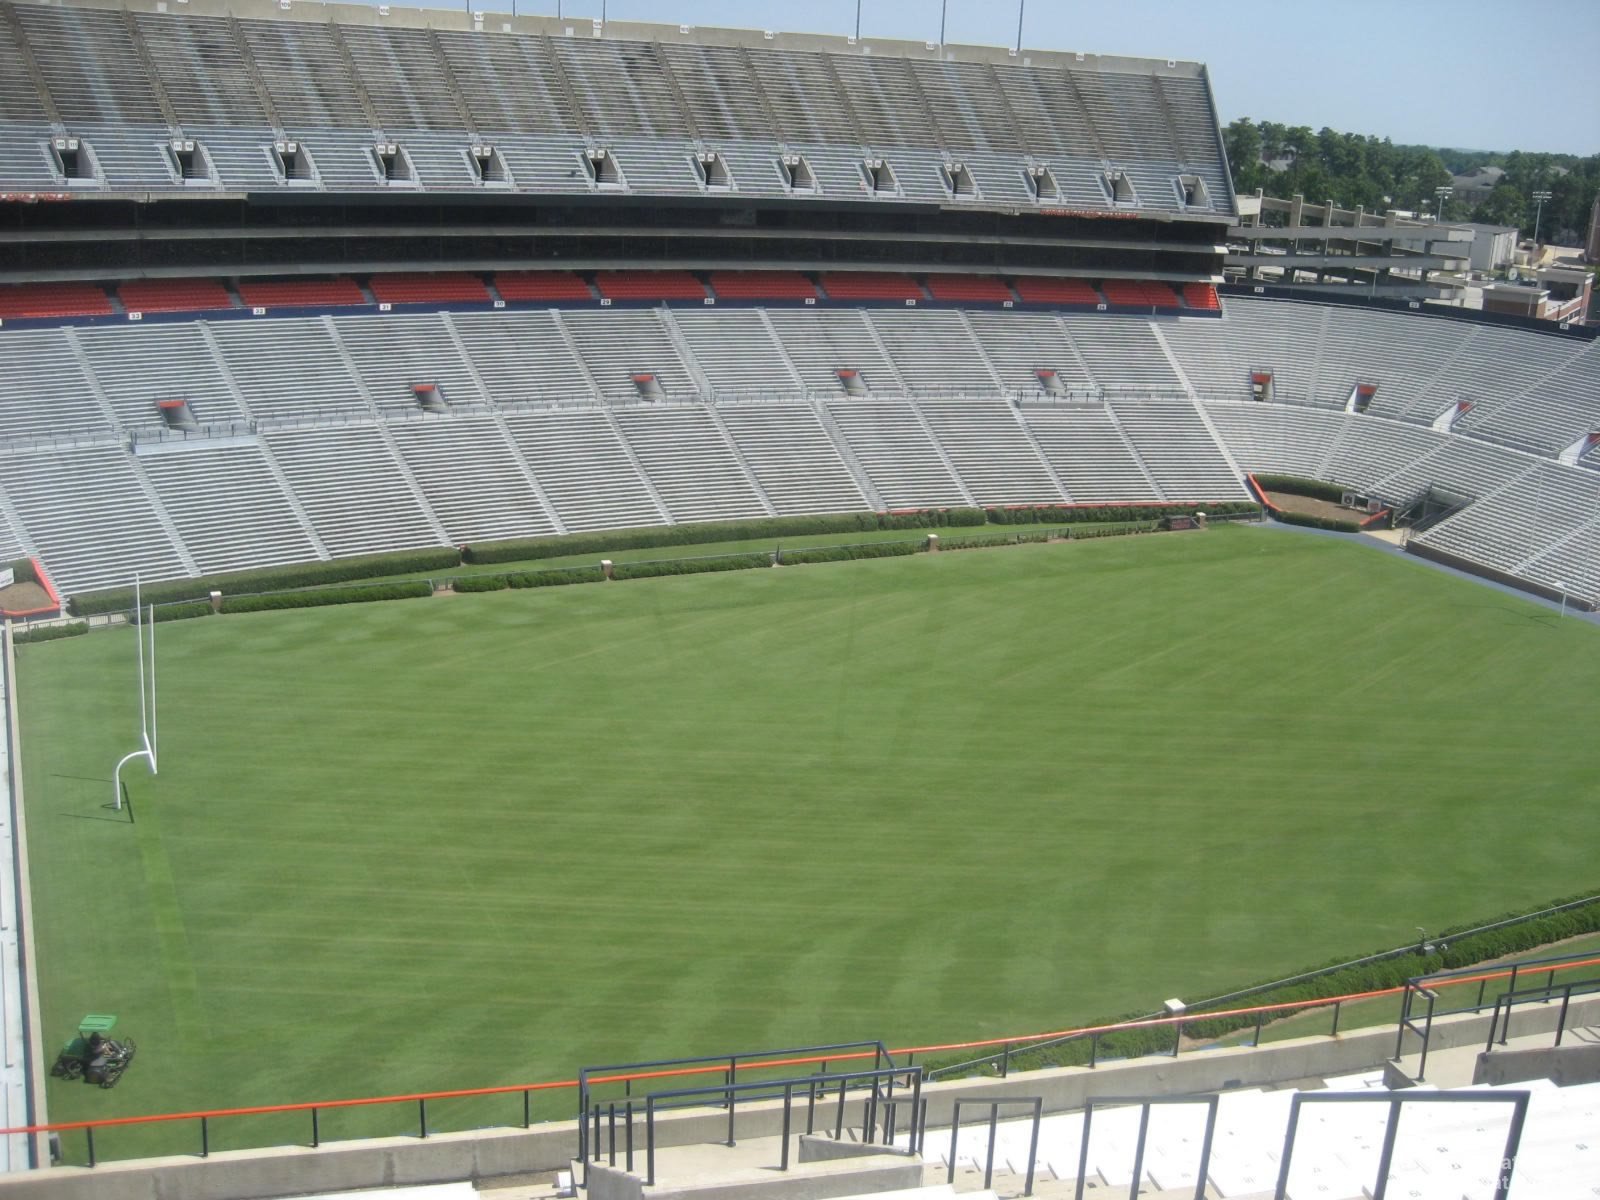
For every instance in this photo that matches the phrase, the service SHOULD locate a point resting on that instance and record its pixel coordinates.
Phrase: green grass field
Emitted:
(488, 839)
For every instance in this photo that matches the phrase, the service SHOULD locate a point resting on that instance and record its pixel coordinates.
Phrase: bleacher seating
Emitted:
(649, 285)
(1138, 293)
(53, 300)
(762, 285)
(300, 293)
(968, 289)
(869, 285)
(173, 295)
(548, 286)
(513, 437)
(444, 287)
(1044, 289)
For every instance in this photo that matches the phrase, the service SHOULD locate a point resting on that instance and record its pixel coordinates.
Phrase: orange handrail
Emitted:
(718, 1068)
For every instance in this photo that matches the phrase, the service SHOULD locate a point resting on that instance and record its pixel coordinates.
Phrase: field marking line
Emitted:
(183, 986)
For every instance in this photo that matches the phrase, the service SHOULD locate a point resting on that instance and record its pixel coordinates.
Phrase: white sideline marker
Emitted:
(147, 696)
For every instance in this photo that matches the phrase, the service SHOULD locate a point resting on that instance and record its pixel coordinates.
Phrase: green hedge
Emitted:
(270, 579)
(1058, 514)
(711, 532)
(823, 554)
(181, 611)
(405, 590)
(1296, 485)
(691, 566)
(48, 633)
(528, 579)
(1002, 539)
(1296, 518)
(1102, 531)
(1450, 953)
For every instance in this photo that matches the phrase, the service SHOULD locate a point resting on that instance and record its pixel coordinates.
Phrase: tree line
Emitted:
(1356, 170)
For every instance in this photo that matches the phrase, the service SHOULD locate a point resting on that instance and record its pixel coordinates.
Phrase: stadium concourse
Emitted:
(284, 283)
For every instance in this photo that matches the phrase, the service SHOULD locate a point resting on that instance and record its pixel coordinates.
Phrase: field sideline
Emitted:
(462, 842)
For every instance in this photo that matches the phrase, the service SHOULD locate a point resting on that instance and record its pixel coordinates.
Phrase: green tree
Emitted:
(1506, 205)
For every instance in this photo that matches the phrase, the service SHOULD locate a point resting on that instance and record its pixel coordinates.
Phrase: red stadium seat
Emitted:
(411, 287)
(53, 300)
(541, 285)
(1036, 289)
(1201, 296)
(649, 285)
(1125, 293)
(870, 285)
(979, 289)
(173, 295)
(762, 285)
(294, 293)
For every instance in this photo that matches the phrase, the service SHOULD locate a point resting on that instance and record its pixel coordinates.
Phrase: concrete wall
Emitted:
(1563, 1065)
(445, 1158)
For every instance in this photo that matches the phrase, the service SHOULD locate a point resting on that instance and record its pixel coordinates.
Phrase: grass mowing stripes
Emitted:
(490, 838)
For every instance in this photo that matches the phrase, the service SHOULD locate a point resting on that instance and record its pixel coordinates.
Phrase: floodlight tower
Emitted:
(1539, 198)
(1444, 193)
(142, 620)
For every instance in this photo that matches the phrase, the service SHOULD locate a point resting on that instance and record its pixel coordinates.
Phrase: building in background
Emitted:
(1561, 294)
(1591, 245)
(1325, 248)
(1494, 247)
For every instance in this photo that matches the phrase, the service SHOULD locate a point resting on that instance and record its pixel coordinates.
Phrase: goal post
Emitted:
(144, 636)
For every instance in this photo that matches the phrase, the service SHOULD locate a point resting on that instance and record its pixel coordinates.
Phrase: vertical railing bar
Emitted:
(1033, 1144)
(316, 1130)
(1138, 1150)
(422, 1118)
(1386, 1156)
(955, 1134)
(788, 1101)
(1282, 1190)
(527, 1108)
(89, 1133)
(994, 1130)
(628, 1135)
(205, 1139)
(611, 1134)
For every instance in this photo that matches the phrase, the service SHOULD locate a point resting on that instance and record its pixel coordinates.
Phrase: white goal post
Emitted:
(144, 630)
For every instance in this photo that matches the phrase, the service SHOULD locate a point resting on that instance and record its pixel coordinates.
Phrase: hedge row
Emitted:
(691, 566)
(1100, 531)
(1450, 953)
(711, 532)
(528, 579)
(1000, 539)
(1298, 485)
(1058, 514)
(1333, 523)
(181, 611)
(405, 590)
(824, 554)
(269, 579)
(48, 633)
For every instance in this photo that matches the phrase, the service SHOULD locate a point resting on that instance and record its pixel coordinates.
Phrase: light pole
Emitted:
(1022, 7)
(1444, 193)
(943, 5)
(1539, 198)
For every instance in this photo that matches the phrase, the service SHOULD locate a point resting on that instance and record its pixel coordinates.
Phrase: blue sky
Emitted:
(1481, 74)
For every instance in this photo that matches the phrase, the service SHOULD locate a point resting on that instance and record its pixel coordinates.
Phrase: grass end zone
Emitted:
(923, 799)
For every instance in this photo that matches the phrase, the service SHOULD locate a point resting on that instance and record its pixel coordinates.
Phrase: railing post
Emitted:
(611, 1134)
(955, 1135)
(205, 1139)
(1005, 1065)
(811, 1107)
(1561, 1021)
(838, 1124)
(1094, 1050)
(422, 1118)
(1033, 1144)
(628, 1135)
(316, 1132)
(788, 1100)
(650, 1141)
(994, 1129)
(1334, 1032)
(1259, 1015)
(1422, 1063)
(527, 1108)
(1138, 1149)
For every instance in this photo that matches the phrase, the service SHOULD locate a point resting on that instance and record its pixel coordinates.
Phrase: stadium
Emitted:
(710, 788)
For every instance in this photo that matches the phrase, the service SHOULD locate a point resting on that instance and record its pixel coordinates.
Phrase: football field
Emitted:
(488, 839)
